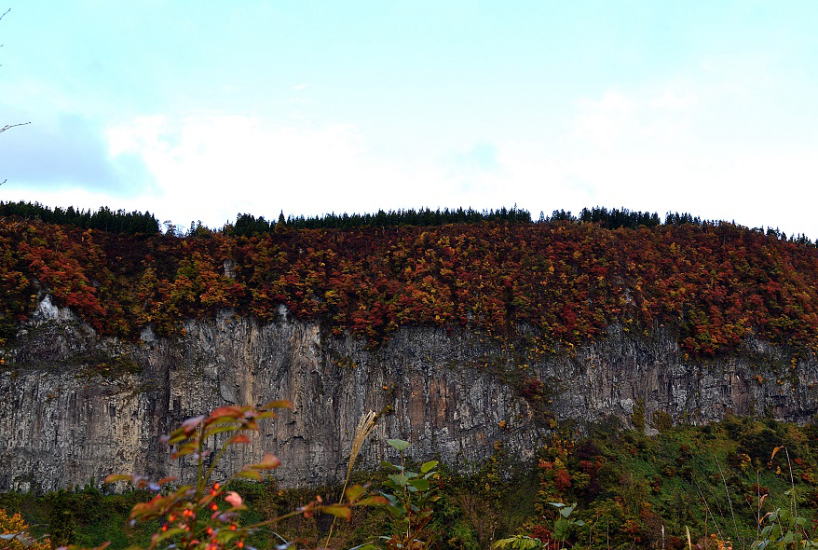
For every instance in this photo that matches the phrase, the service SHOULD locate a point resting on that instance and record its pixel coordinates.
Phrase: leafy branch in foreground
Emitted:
(204, 515)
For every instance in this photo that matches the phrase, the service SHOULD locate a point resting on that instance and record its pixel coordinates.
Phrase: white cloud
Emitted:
(212, 167)
(666, 150)
(659, 148)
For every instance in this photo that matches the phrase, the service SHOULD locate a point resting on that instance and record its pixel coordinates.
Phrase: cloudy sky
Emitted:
(200, 110)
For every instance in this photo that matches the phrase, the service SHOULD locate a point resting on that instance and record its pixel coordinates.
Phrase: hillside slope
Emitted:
(714, 285)
(467, 337)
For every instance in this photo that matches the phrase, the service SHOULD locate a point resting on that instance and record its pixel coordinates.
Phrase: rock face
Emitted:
(75, 407)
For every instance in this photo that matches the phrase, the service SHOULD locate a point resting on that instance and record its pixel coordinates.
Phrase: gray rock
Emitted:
(64, 420)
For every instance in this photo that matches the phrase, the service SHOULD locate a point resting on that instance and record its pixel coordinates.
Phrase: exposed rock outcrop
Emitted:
(75, 407)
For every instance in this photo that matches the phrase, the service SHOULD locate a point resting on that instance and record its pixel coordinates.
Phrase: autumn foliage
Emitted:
(14, 534)
(712, 284)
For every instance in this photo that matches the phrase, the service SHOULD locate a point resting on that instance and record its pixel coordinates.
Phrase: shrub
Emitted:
(14, 534)
(205, 515)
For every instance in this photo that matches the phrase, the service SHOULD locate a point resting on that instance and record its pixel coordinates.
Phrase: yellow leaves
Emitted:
(113, 478)
(21, 539)
(278, 404)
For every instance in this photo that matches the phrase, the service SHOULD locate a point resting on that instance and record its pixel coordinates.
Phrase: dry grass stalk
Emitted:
(365, 426)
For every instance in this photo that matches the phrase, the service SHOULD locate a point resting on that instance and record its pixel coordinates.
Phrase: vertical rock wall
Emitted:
(75, 407)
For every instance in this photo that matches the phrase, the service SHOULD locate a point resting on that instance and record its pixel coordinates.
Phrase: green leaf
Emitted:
(396, 511)
(399, 479)
(226, 535)
(169, 533)
(398, 444)
(420, 484)
(372, 501)
(337, 510)
(519, 542)
(223, 420)
(186, 449)
(220, 428)
(354, 493)
(426, 466)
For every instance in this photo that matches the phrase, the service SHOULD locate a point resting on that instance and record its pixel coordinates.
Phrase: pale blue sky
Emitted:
(199, 110)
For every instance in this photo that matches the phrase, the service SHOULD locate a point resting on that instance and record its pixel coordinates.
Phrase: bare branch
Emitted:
(10, 126)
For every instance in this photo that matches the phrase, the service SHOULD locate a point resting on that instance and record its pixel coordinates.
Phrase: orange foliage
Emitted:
(715, 285)
(17, 530)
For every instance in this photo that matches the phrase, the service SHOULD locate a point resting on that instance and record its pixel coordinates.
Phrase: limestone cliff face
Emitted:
(75, 407)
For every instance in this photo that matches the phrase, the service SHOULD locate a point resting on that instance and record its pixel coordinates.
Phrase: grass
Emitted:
(633, 491)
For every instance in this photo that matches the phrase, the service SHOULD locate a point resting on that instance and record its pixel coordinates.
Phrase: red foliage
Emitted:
(715, 284)
(544, 535)
(562, 480)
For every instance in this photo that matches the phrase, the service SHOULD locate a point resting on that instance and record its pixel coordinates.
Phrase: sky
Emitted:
(202, 110)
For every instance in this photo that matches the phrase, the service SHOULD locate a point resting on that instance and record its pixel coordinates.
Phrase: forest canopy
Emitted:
(715, 284)
(104, 218)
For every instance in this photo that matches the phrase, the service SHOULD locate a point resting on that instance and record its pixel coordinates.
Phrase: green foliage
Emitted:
(616, 218)
(565, 526)
(784, 528)
(629, 491)
(15, 534)
(662, 421)
(103, 219)
(519, 542)
(205, 514)
(410, 500)
(247, 224)
(635, 490)
(93, 516)
(638, 415)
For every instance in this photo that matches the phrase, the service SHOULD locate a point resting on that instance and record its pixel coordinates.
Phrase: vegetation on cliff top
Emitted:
(713, 284)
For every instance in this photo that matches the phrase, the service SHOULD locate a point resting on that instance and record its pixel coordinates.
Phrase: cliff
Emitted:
(76, 406)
